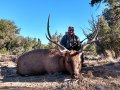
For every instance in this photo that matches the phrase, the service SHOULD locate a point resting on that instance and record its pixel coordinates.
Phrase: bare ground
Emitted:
(99, 75)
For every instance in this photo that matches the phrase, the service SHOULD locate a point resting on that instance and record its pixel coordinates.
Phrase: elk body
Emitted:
(52, 60)
(48, 61)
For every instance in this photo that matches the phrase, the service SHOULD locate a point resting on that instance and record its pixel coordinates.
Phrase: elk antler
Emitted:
(62, 48)
(91, 40)
(48, 26)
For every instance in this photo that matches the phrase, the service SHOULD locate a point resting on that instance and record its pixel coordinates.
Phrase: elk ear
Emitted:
(64, 53)
(67, 53)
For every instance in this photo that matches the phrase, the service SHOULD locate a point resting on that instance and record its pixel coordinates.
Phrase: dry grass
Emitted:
(99, 75)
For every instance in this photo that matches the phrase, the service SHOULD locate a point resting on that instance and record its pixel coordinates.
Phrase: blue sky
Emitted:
(31, 15)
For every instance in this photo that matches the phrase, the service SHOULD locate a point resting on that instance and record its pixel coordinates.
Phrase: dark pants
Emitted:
(82, 58)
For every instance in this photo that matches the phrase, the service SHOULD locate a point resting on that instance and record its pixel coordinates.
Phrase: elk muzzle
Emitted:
(75, 75)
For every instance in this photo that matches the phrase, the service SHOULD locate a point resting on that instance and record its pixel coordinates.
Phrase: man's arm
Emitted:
(78, 41)
(63, 41)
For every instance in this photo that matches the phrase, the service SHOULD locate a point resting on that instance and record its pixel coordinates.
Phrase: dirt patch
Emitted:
(99, 75)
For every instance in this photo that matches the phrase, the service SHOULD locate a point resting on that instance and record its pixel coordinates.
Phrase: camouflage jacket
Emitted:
(70, 43)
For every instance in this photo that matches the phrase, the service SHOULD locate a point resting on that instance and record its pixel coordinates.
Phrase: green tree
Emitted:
(8, 32)
(109, 24)
(12, 43)
(110, 2)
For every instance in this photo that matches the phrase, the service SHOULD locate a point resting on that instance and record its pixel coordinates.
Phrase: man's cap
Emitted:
(70, 28)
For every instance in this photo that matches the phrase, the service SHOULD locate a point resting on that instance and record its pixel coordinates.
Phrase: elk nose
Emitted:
(74, 75)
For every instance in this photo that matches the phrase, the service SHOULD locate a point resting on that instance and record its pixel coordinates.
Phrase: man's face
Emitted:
(71, 31)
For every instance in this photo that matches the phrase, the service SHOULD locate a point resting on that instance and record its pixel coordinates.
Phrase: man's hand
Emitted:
(79, 44)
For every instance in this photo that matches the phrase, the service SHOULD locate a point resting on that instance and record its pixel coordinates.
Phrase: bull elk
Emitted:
(42, 61)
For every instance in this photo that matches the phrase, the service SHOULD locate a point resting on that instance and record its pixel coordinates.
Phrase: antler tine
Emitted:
(83, 40)
(48, 27)
(50, 38)
(96, 34)
(55, 43)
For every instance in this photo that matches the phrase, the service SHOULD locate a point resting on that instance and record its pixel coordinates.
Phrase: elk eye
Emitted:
(68, 62)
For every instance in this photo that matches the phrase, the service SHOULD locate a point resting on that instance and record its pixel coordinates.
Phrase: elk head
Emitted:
(72, 57)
